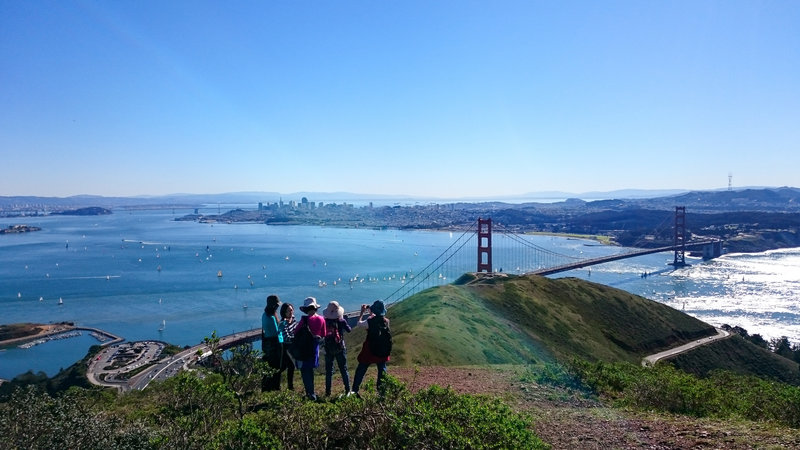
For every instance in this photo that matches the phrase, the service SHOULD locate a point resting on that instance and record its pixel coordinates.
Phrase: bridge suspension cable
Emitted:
(526, 256)
(431, 275)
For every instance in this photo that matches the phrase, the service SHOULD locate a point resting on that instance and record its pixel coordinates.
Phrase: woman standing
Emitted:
(335, 326)
(271, 344)
(286, 332)
(316, 325)
(377, 345)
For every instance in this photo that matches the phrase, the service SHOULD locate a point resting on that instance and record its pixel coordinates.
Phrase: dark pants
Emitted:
(341, 361)
(288, 364)
(361, 370)
(272, 356)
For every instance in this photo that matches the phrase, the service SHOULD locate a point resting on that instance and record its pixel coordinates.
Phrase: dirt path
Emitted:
(567, 420)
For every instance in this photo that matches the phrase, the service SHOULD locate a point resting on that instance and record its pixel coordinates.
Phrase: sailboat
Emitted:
(163, 325)
(60, 301)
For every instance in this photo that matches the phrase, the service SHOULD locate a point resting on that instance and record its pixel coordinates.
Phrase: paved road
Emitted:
(159, 370)
(649, 361)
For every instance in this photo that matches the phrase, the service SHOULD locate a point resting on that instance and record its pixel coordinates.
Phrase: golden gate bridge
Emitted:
(501, 250)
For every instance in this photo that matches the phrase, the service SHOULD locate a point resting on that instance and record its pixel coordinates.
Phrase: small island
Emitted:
(90, 211)
(12, 229)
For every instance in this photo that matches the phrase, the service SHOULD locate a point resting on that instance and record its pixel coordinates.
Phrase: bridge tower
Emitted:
(485, 245)
(680, 236)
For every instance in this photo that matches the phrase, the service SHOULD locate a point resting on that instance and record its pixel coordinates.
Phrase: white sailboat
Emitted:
(60, 301)
(163, 325)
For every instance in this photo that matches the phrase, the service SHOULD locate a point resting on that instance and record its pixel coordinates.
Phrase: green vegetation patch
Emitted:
(576, 318)
(451, 325)
(188, 412)
(722, 394)
(739, 356)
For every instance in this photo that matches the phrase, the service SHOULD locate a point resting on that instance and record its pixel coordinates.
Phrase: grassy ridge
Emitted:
(739, 356)
(451, 325)
(532, 318)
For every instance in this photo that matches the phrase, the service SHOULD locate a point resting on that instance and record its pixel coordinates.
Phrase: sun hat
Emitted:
(333, 311)
(378, 308)
(309, 302)
(273, 300)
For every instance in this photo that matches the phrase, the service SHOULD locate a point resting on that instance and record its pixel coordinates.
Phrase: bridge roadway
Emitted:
(604, 259)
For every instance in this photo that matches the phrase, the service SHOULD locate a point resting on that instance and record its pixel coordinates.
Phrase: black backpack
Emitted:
(304, 343)
(379, 337)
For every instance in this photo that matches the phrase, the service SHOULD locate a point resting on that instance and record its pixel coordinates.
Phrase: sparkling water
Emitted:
(143, 275)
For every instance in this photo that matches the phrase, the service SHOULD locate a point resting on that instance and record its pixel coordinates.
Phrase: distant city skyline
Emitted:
(446, 99)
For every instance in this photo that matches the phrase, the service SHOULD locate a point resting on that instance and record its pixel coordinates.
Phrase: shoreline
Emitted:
(49, 330)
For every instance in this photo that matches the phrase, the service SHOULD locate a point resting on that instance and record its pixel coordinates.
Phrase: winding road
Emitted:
(649, 361)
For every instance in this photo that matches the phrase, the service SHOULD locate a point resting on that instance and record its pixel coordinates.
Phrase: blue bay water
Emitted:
(130, 272)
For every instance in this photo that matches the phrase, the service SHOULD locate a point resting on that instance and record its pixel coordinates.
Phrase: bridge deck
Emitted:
(605, 259)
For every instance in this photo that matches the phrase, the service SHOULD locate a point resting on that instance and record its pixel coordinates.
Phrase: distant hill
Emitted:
(530, 319)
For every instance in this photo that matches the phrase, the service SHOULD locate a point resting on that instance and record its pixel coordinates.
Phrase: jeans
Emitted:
(361, 370)
(341, 361)
(307, 373)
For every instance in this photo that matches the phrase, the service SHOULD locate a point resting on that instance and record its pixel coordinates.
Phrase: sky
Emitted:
(447, 99)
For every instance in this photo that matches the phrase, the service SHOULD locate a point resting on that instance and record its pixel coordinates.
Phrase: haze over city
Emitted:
(447, 99)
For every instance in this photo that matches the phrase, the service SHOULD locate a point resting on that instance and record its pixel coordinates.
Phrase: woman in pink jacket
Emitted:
(317, 326)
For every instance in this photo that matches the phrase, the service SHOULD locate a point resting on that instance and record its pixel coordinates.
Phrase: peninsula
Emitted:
(13, 229)
(748, 221)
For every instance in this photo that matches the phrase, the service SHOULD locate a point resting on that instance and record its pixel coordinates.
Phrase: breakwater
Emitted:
(42, 340)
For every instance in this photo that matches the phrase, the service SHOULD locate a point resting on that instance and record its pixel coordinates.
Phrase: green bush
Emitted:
(722, 394)
(189, 412)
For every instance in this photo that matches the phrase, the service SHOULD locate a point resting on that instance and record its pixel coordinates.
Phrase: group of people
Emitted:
(279, 328)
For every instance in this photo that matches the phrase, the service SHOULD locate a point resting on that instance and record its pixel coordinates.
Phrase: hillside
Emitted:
(739, 356)
(530, 319)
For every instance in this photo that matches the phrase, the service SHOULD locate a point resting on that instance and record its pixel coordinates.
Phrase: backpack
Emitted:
(379, 337)
(304, 343)
(333, 338)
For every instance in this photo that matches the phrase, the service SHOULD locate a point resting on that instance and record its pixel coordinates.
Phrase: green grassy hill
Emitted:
(740, 356)
(530, 318)
(533, 319)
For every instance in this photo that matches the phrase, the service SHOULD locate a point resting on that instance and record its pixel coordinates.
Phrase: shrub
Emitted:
(721, 395)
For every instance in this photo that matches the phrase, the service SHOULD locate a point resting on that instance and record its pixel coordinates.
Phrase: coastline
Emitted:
(49, 330)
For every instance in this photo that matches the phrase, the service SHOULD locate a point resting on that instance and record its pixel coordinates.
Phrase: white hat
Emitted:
(309, 302)
(333, 311)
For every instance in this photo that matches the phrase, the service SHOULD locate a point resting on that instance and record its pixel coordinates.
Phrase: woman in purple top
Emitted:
(317, 326)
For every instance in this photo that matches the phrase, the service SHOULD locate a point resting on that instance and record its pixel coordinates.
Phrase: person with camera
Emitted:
(377, 346)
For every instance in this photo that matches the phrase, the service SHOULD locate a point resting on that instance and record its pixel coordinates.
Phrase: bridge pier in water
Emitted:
(712, 250)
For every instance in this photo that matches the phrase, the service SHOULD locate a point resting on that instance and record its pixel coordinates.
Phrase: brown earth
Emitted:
(29, 331)
(567, 420)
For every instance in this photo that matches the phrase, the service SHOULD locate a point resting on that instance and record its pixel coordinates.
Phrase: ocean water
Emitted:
(134, 273)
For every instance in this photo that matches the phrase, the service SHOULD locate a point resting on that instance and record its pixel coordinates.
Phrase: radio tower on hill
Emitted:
(730, 181)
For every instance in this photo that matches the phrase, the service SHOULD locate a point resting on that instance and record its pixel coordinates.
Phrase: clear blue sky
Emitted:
(430, 98)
